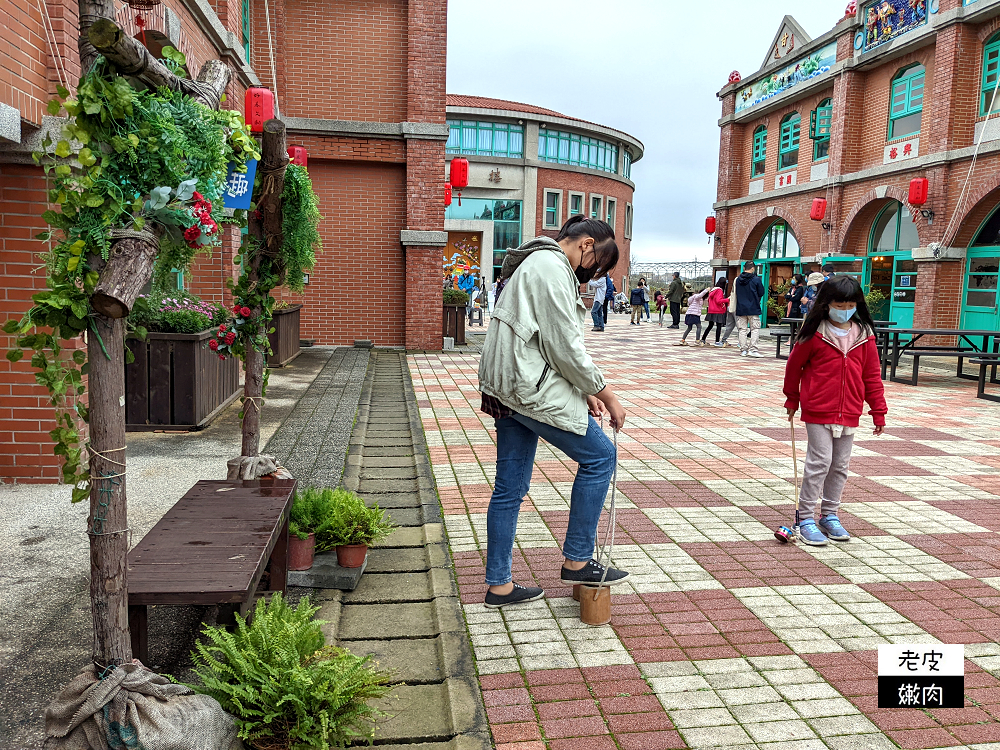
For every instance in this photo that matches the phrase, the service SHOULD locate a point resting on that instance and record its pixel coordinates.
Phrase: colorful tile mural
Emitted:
(886, 20)
(803, 69)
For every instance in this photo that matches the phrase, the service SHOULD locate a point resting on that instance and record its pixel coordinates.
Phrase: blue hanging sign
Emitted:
(238, 189)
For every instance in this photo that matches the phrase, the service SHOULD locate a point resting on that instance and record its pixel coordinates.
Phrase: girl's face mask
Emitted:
(842, 316)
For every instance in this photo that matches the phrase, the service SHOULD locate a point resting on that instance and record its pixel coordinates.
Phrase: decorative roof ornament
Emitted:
(851, 10)
(735, 77)
(142, 4)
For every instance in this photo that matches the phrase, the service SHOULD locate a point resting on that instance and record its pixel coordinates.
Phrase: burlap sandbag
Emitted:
(256, 467)
(135, 708)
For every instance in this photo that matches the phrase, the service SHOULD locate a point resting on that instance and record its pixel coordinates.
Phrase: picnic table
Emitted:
(793, 329)
(967, 348)
(985, 362)
(211, 547)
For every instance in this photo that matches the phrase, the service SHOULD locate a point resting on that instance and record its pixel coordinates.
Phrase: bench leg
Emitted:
(916, 370)
(138, 631)
(279, 561)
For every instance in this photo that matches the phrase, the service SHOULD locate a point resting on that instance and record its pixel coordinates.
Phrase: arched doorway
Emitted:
(777, 259)
(893, 270)
(982, 266)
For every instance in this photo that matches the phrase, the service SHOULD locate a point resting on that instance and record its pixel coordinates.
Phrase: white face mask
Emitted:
(842, 316)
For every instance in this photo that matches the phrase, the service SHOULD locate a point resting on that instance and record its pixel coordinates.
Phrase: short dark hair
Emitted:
(749, 264)
(828, 267)
(677, 274)
(605, 247)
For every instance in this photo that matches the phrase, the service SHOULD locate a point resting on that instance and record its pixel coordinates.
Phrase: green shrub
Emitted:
(355, 523)
(285, 687)
(455, 297)
(176, 312)
(312, 510)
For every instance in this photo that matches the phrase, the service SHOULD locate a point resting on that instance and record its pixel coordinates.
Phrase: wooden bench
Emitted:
(929, 351)
(778, 337)
(211, 548)
(986, 362)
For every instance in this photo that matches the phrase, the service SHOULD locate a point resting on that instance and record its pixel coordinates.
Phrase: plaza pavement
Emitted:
(723, 637)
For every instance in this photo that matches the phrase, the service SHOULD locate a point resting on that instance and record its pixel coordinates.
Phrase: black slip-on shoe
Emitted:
(519, 595)
(591, 573)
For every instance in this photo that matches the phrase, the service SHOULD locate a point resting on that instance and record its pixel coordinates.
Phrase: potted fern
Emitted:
(354, 527)
(311, 511)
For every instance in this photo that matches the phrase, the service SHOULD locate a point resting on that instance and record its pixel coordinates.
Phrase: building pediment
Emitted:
(790, 37)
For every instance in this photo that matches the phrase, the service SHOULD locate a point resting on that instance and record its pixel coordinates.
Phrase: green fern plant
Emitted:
(312, 510)
(353, 522)
(286, 688)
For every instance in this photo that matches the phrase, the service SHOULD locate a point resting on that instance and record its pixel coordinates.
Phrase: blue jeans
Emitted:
(645, 306)
(517, 439)
(597, 313)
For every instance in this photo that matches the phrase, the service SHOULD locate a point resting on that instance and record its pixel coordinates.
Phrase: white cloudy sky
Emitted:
(648, 67)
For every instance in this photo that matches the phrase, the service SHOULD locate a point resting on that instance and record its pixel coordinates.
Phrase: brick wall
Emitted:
(577, 182)
(343, 61)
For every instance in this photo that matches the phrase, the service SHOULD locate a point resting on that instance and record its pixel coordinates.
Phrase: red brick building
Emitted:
(530, 169)
(897, 90)
(360, 83)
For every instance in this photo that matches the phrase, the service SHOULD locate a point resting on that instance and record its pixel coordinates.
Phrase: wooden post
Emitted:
(265, 227)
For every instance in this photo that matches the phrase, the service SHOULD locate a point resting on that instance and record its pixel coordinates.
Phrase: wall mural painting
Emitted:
(463, 249)
(803, 69)
(886, 20)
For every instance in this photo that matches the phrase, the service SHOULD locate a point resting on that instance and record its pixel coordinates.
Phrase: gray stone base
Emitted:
(327, 574)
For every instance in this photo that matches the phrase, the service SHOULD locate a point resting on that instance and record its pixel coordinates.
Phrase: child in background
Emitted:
(832, 370)
(809, 295)
(718, 304)
(661, 305)
(693, 317)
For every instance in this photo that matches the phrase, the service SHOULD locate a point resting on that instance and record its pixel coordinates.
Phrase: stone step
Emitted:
(365, 622)
(383, 588)
(395, 473)
(386, 462)
(437, 712)
(420, 660)
(389, 451)
(398, 500)
(406, 560)
(380, 486)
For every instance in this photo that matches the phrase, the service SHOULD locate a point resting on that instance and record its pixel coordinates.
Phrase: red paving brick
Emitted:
(975, 554)
(773, 517)
(962, 611)
(631, 526)
(767, 563)
(664, 494)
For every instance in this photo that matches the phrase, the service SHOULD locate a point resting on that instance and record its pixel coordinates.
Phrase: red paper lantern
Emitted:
(710, 225)
(918, 191)
(298, 155)
(447, 194)
(818, 210)
(258, 108)
(459, 173)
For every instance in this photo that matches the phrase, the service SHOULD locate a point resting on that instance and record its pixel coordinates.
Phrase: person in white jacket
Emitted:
(599, 287)
(537, 380)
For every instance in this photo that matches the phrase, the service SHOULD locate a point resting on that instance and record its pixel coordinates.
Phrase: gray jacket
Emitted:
(534, 360)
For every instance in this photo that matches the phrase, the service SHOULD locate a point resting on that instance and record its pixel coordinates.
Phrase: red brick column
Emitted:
(939, 294)
(423, 297)
(730, 180)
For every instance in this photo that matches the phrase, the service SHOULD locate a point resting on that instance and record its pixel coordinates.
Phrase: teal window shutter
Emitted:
(759, 151)
(991, 63)
(820, 120)
(788, 146)
(906, 102)
(245, 28)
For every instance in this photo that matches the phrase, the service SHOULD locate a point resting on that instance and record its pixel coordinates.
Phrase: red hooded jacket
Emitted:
(832, 386)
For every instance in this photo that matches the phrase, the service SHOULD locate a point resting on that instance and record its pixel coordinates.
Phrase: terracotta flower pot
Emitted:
(300, 552)
(351, 555)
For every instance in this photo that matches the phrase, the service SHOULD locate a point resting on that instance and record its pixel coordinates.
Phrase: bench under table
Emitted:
(211, 548)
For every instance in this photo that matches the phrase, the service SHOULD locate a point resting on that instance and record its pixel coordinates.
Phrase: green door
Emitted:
(979, 298)
(777, 259)
(904, 291)
(893, 270)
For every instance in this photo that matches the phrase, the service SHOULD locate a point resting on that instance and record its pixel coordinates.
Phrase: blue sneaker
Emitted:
(809, 533)
(831, 525)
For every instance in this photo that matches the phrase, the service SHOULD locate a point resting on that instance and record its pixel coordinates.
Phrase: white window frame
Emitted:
(569, 203)
(590, 206)
(611, 210)
(545, 208)
(628, 221)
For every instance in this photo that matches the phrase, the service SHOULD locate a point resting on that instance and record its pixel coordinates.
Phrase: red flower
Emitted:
(197, 196)
(192, 233)
(222, 356)
(222, 329)
(245, 312)
(230, 338)
(236, 309)
(213, 345)
(210, 226)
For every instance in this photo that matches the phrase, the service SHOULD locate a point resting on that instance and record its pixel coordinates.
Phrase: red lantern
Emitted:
(459, 173)
(710, 225)
(918, 191)
(447, 194)
(818, 210)
(298, 155)
(258, 108)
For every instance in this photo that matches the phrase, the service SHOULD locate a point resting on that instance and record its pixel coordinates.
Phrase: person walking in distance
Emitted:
(832, 370)
(467, 284)
(660, 302)
(675, 294)
(609, 296)
(636, 299)
(794, 296)
(598, 287)
(692, 317)
(645, 298)
(537, 380)
(748, 291)
(717, 304)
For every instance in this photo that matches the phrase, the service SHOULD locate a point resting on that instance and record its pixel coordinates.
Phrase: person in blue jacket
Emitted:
(748, 291)
(467, 284)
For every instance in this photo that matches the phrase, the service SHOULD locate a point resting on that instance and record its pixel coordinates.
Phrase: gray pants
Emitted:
(825, 473)
(730, 327)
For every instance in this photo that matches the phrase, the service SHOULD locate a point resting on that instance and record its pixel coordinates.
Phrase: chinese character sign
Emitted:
(239, 186)
(923, 675)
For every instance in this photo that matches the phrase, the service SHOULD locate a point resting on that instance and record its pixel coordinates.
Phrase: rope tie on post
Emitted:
(111, 480)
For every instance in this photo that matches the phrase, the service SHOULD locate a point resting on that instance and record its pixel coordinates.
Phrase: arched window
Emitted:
(893, 270)
(906, 102)
(788, 149)
(778, 242)
(991, 62)
(759, 151)
(819, 129)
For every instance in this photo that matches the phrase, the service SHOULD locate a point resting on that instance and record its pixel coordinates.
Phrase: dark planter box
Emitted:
(454, 323)
(285, 339)
(177, 383)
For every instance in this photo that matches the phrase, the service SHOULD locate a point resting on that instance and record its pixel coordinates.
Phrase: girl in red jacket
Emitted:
(718, 306)
(832, 370)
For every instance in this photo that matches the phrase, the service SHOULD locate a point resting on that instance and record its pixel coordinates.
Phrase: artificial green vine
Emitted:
(127, 159)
